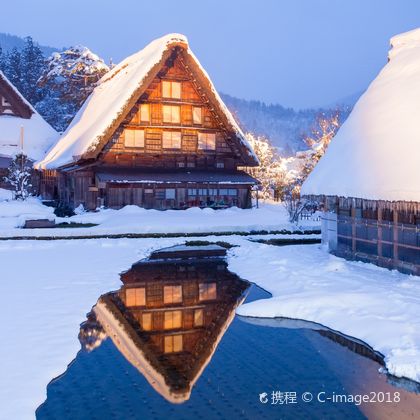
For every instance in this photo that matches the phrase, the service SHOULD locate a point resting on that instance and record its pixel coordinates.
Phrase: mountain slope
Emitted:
(8, 42)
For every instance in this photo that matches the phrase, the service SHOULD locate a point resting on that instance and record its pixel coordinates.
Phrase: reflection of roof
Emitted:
(237, 177)
(171, 374)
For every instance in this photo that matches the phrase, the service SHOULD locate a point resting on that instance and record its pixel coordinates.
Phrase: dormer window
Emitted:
(171, 89)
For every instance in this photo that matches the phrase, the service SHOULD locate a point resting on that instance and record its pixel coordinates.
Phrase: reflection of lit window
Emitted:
(198, 318)
(207, 291)
(171, 89)
(146, 321)
(135, 296)
(172, 294)
(173, 319)
(171, 113)
(173, 343)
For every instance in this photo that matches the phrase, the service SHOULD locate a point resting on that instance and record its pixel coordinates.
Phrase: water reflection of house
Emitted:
(169, 317)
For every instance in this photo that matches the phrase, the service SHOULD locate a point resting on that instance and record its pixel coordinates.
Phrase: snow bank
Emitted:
(134, 219)
(109, 99)
(376, 153)
(373, 304)
(14, 213)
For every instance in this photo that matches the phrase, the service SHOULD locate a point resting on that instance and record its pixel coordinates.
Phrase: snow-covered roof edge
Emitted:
(124, 84)
(15, 91)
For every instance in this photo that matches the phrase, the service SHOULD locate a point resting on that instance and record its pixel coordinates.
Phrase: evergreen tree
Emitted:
(13, 68)
(32, 65)
(2, 59)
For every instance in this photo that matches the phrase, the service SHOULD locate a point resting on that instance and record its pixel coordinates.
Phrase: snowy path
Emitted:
(49, 286)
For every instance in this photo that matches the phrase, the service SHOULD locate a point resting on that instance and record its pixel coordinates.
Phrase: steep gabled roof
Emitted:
(38, 135)
(376, 153)
(118, 91)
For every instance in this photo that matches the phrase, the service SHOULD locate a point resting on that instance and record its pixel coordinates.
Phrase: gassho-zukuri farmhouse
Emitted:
(21, 128)
(369, 178)
(153, 133)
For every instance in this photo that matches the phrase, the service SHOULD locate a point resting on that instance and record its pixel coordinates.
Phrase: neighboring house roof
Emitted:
(376, 153)
(38, 135)
(117, 92)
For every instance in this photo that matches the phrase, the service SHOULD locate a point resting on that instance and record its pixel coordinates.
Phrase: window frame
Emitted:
(132, 143)
(171, 139)
(165, 113)
(203, 141)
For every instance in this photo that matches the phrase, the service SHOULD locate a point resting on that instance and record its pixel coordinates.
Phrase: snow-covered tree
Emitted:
(70, 77)
(319, 140)
(13, 68)
(270, 173)
(19, 176)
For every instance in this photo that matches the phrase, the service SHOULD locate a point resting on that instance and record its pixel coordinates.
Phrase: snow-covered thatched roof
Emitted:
(38, 135)
(115, 94)
(376, 153)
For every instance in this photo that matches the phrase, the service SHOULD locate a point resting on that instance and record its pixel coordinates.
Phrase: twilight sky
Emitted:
(298, 53)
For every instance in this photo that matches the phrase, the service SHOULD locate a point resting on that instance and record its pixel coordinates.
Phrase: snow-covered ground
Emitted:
(134, 219)
(48, 287)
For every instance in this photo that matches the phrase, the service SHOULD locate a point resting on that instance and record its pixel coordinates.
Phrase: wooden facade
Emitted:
(381, 232)
(172, 148)
(169, 317)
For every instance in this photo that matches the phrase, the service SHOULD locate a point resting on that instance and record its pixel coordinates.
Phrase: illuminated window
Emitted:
(146, 321)
(171, 140)
(197, 118)
(135, 296)
(207, 291)
(171, 114)
(198, 318)
(172, 294)
(144, 112)
(172, 319)
(173, 343)
(171, 89)
(133, 138)
(207, 141)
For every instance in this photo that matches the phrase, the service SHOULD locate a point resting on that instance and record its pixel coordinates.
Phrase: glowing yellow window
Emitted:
(198, 318)
(172, 294)
(133, 138)
(171, 114)
(171, 140)
(144, 112)
(146, 321)
(197, 117)
(171, 89)
(173, 343)
(207, 291)
(135, 296)
(173, 319)
(207, 141)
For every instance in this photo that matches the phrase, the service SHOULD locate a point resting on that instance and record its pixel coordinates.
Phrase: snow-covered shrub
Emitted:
(19, 176)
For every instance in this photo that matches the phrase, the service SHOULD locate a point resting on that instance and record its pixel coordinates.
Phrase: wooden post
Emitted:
(395, 234)
(379, 231)
(353, 229)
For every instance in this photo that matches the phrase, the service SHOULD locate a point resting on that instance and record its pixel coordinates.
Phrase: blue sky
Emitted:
(299, 53)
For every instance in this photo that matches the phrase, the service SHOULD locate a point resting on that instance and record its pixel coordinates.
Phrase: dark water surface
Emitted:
(167, 345)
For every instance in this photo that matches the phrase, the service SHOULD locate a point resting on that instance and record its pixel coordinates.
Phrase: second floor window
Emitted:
(133, 138)
(171, 89)
(171, 114)
(171, 140)
(172, 294)
(196, 112)
(207, 141)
